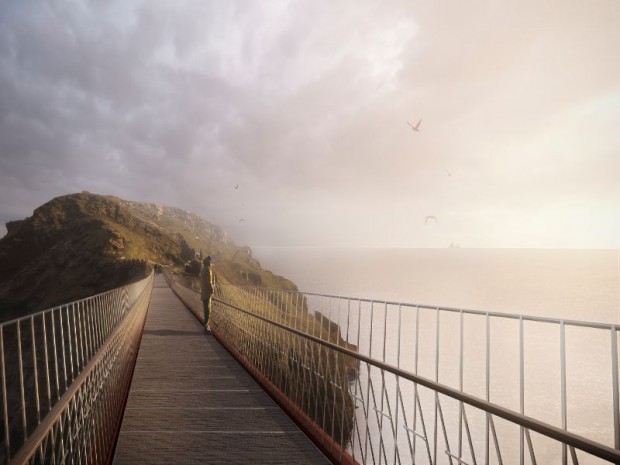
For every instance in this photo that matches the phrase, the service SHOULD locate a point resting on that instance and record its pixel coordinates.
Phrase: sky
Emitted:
(286, 121)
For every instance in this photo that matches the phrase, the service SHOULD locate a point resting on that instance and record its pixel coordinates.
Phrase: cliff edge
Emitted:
(81, 244)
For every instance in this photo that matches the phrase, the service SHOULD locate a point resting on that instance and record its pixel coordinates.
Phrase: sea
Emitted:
(558, 284)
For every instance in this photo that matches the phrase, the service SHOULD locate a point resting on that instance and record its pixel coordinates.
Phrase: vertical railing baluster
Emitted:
(563, 386)
(496, 441)
(461, 329)
(327, 373)
(71, 340)
(487, 387)
(346, 387)
(357, 379)
(415, 385)
(94, 325)
(521, 391)
(87, 322)
(103, 317)
(530, 447)
(110, 312)
(320, 367)
(368, 369)
(381, 441)
(35, 370)
(335, 369)
(82, 330)
(364, 451)
(56, 369)
(469, 440)
(64, 353)
(5, 408)
(95, 318)
(614, 381)
(47, 365)
(84, 325)
(304, 362)
(573, 455)
(21, 379)
(398, 393)
(436, 380)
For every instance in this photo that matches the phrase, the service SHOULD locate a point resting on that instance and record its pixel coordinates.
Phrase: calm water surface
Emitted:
(579, 284)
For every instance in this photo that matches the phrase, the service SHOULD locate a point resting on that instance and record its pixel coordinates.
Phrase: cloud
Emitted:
(304, 105)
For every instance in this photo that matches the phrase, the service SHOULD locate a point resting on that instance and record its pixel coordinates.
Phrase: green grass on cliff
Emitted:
(82, 244)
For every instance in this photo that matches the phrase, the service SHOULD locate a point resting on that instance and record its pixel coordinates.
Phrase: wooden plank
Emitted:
(190, 402)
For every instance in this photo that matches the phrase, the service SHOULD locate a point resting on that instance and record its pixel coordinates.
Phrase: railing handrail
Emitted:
(33, 441)
(579, 442)
(61, 353)
(64, 304)
(511, 316)
(570, 439)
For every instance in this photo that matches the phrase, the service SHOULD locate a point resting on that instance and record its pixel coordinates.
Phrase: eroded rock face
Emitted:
(81, 244)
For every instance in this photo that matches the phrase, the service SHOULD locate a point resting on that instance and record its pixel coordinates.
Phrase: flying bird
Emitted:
(416, 127)
(449, 173)
(430, 218)
(237, 187)
(241, 220)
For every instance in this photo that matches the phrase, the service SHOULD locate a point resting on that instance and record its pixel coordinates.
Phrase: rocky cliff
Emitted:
(81, 244)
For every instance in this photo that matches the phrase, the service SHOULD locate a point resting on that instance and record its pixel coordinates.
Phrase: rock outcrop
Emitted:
(81, 244)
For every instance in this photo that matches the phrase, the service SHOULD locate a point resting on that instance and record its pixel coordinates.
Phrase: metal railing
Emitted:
(431, 385)
(283, 367)
(65, 375)
(458, 352)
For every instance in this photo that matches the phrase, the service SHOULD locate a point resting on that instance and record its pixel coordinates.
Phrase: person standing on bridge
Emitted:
(206, 289)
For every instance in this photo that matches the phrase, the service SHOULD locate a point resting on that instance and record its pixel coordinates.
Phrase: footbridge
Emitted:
(129, 376)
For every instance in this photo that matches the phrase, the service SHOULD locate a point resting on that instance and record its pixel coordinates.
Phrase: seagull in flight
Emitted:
(241, 220)
(237, 187)
(416, 127)
(430, 218)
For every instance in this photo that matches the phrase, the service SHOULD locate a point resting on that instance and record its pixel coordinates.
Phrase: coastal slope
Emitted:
(81, 244)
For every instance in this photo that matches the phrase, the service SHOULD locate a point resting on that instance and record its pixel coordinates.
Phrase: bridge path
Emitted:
(190, 402)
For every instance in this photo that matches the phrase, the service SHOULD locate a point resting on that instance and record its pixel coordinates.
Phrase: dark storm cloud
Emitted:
(86, 103)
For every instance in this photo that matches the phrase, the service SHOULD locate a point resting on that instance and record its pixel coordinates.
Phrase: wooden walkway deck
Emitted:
(190, 402)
